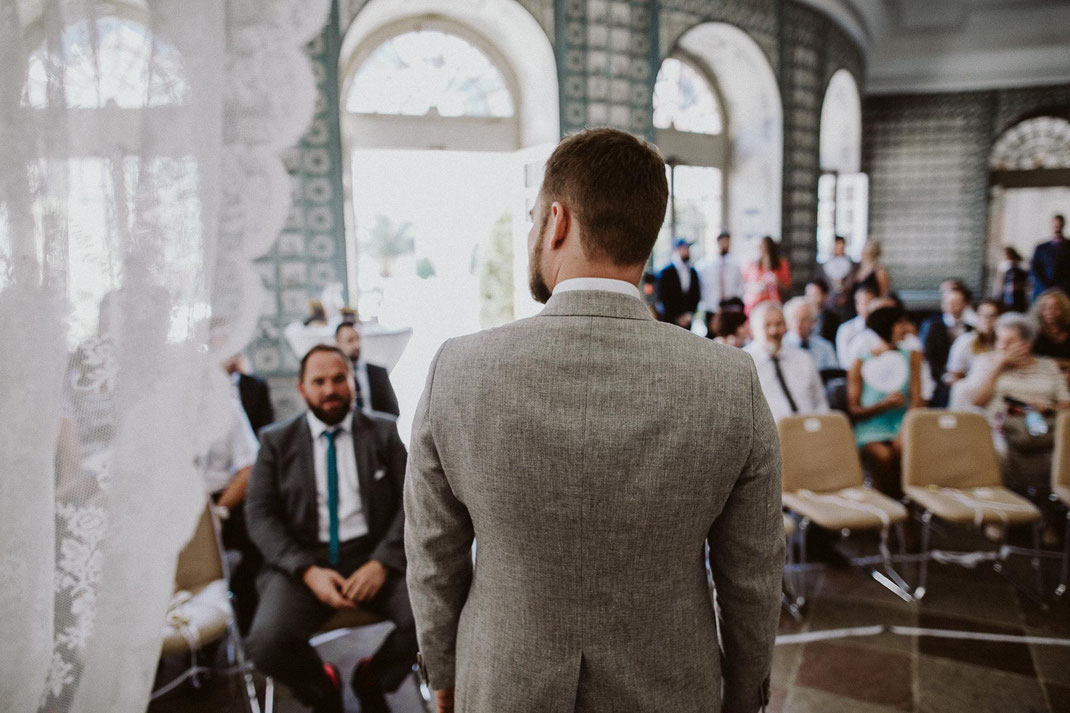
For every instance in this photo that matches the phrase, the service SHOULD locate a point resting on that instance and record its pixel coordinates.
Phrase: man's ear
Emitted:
(562, 220)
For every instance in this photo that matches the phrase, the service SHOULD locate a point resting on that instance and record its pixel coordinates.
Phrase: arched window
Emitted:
(1039, 143)
(424, 72)
(119, 63)
(842, 190)
(688, 126)
(684, 100)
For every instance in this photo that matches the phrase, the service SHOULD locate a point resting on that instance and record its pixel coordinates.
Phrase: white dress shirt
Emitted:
(600, 284)
(819, 349)
(232, 451)
(351, 522)
(800, 374)
(720, 278)
(962, 355)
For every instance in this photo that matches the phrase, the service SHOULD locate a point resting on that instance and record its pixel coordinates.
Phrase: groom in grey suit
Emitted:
(592, 452)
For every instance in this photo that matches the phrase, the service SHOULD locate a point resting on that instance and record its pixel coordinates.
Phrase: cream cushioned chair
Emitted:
(951, 471)
(824, 485)
(1060, 488)
(200, 613)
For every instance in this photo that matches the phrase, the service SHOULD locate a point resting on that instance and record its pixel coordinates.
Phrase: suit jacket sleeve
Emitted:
(438, 541)
(747, 561)
(383, 396)
(265, 519)
(391, 548)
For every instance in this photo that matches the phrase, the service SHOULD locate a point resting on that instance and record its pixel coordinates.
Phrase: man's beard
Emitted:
(536, 283)
(330, 414)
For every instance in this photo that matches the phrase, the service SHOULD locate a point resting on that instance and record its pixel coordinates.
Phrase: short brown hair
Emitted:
(615, 186)
(319, 348)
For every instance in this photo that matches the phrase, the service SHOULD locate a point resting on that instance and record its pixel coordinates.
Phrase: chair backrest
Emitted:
(819, 453)
(1060, 462)
(951, 449)
(201, 560)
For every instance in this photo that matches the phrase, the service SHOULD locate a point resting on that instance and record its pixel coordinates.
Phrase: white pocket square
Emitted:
(380, 474)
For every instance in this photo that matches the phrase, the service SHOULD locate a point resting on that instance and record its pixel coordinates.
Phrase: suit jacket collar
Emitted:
(595, 303)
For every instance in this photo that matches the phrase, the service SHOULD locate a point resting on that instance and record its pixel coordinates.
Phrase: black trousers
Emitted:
(243, 577)
(289, 613)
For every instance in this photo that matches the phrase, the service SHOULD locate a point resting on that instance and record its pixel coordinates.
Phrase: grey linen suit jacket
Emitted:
(591, 451)
(280, 507)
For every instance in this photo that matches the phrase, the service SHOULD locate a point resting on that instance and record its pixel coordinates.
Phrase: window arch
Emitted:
(429, 71)
(842, 189)
(684, 99)
(127, 67)
(1042, 142)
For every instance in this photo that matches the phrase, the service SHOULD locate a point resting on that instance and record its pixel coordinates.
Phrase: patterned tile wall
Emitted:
(927, 156)
(310, 252)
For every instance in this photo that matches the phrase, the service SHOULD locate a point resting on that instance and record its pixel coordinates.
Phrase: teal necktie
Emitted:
(332, 496)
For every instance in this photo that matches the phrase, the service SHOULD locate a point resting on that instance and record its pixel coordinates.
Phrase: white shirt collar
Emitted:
(601, 284)
(318, 427)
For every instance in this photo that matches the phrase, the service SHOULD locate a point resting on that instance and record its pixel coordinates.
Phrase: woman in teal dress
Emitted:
(882, 384)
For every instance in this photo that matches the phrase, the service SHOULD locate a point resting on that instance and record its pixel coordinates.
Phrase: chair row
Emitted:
(950, 471)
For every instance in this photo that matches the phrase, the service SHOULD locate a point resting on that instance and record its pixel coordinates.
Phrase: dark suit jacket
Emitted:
(1051, 266)
(672, 300)
(383, 397)
(256, 400)
(936, 341)
(280, 508)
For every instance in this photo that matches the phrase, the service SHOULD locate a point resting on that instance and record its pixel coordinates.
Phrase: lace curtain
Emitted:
(141, 175)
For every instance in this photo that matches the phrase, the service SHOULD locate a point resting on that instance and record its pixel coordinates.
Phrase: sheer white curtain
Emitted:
(140, 177)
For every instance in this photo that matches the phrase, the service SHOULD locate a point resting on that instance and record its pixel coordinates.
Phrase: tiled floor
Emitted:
(871, 674)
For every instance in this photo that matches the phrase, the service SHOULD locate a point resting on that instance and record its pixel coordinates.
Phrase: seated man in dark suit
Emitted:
(939, 332)
(253, 392)
(324, 507)
(373, 391)
(677, 287)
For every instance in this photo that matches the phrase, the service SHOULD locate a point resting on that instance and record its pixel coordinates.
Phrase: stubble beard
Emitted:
(536, 282)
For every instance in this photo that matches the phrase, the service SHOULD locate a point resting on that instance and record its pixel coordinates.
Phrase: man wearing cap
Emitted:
(677, 288)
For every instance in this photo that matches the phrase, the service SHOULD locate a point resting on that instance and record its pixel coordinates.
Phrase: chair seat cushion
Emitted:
(980, 506)
(789, 525)
(1063, 493)
(196, 618)
(857, 508)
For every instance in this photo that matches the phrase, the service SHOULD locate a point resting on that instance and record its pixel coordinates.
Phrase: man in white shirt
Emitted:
(853, 328)
(332, 538)
(720, 276)
(787, 375)
(800, 316)
(373, 392)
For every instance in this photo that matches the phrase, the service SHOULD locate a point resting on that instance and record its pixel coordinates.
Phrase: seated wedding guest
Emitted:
(787, 374)
(325, 509)
(882, 384)
(253, 392)
(1013, 282)
(1051, 312)
(939, 332)
(729, 327)
(854, 327)
(225, 468)
(838, 273)
(967, 347)
(1020, 393)
(828, 319)
(799, 315)
(371, 382)
(768, 277)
